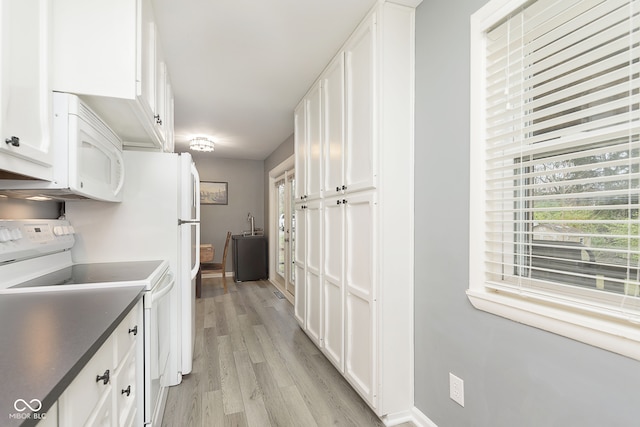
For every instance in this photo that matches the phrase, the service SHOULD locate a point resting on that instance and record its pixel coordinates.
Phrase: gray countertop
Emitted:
(47, 338)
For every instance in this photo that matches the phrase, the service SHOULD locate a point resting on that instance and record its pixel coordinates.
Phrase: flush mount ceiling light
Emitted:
(201, 144)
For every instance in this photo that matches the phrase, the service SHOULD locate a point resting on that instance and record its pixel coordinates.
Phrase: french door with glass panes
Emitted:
(285, 186)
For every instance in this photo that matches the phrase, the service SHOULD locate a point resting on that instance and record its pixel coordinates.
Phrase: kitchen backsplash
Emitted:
(26, 209)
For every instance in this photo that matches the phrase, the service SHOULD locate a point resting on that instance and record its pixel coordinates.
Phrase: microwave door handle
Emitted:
(121, 181)
(107, 152)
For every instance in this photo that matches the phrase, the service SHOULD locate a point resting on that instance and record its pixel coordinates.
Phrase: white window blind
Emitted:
(562, 154)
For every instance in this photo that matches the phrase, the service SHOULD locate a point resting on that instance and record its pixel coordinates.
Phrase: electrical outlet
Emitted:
(456, 389)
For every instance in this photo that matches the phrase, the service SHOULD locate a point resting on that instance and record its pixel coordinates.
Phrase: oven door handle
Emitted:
(161, 292)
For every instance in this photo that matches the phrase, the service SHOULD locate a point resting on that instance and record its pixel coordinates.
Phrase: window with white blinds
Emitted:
(556, 153)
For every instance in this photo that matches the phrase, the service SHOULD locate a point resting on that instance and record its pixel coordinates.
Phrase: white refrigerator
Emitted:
(158, 218)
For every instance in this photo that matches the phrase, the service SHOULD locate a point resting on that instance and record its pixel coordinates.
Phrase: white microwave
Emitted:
(88, 161)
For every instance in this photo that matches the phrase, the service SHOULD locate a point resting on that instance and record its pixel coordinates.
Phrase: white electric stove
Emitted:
(35, 256)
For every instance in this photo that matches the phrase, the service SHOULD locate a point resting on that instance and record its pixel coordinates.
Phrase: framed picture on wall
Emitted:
(214, 193)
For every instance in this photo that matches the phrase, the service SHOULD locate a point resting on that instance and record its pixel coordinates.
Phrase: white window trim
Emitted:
(605, 331)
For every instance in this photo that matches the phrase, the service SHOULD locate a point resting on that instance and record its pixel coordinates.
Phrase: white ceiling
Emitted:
(238, 68)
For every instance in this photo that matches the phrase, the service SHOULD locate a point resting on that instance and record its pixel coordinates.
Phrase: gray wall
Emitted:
(245, 178)
(514, 375)
(279, 155)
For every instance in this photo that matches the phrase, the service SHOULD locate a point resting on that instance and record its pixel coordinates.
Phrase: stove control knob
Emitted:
(5, 235)
(16, 234)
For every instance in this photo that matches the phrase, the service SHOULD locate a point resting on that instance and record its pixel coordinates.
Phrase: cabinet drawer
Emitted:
(103, 414)
(126, 390)
(81, 397)
(126, 334)
(50, 417)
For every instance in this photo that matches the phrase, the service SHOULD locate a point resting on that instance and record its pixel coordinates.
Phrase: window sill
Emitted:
(618, 336)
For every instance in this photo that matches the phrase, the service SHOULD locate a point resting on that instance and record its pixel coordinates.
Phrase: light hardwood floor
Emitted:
(253, 366)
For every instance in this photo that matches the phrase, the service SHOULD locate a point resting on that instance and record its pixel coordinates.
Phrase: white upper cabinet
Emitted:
(315, 132)
(360, 146)
(160, 111)
(301, 142)
(25, 97)
(169, 142)
(147, 71)
(333, 93)
(347, 116)
(108, 52)
(88, 47)
(309, 133)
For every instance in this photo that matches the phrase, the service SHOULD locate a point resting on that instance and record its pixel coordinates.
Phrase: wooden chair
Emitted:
(214, 267)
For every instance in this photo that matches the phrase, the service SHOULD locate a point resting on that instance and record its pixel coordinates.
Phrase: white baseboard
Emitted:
(421, 420)
(413, 416)
(397, 418)
(209, 275)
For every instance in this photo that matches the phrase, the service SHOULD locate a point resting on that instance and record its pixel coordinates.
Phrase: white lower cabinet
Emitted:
(126, 392)
(109, 389)
(333, 281)
(360, 293)
(102, 415)
(313, 269)
(299, 254)
(349, 288)
(50, 419)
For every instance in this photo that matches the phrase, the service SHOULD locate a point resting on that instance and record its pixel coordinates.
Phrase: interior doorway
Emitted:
(282, 227)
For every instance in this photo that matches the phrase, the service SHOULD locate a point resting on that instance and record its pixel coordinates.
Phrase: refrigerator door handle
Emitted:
(196, 190)
(196, 264)
(188, 221)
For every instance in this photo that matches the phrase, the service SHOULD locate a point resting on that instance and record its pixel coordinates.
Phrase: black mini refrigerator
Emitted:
(250, 258)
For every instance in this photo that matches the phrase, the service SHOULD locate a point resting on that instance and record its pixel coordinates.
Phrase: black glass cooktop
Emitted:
(79, 274)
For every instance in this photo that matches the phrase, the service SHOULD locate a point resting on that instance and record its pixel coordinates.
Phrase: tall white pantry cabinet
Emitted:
(354, 208)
